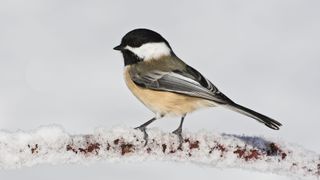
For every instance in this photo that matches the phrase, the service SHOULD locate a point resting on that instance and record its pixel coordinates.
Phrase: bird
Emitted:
(167, 85)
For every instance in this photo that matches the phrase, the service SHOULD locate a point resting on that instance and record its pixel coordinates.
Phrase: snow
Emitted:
(53, 145)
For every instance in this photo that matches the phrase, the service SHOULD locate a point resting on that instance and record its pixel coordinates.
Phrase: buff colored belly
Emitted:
(165, 103)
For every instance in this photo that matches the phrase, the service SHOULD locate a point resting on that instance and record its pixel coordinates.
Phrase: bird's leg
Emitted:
(178, 131)
(143, 129)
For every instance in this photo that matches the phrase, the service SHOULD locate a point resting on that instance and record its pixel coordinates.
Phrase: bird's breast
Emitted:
(163, 102)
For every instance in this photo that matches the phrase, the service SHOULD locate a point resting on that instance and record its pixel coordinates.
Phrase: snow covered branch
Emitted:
(51, 144)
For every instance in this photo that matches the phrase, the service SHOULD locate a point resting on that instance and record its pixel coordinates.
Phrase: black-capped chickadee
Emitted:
(167, 85)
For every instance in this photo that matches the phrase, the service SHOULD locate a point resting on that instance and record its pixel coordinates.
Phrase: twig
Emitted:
(51, 144)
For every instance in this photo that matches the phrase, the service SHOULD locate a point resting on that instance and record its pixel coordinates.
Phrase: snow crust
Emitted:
(52, 145)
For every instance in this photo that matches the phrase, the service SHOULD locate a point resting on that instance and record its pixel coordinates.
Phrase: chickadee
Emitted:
(167, 85)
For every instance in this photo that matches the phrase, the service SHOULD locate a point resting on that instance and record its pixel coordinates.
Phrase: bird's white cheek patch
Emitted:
(150, 50)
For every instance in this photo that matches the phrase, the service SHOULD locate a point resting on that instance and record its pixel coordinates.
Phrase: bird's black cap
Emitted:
(138, 37)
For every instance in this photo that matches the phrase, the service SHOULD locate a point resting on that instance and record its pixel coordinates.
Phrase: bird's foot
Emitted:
(178, 132)
(145, 134)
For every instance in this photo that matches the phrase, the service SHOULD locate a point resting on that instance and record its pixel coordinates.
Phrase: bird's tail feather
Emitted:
(271, 123)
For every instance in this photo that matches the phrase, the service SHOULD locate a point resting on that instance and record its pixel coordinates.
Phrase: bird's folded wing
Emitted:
(188, 82)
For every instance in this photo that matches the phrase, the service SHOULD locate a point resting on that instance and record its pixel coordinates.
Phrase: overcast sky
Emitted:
(57, 66)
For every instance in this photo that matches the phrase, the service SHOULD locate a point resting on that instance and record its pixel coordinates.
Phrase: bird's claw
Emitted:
(178, 132)
(145, 134)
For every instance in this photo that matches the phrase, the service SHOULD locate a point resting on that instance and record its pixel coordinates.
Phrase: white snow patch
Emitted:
(52, 145)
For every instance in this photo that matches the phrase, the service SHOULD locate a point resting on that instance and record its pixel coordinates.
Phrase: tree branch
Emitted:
(51, 144)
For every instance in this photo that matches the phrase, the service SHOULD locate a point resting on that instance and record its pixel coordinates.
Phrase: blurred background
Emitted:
(57, 66)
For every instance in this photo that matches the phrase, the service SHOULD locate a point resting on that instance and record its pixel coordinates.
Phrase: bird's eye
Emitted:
(135, 43)
(132, 42)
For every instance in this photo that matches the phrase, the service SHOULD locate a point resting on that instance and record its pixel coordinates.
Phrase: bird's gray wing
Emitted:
(187, 81)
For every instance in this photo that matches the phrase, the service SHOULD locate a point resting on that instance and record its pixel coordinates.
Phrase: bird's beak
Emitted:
(118, 48)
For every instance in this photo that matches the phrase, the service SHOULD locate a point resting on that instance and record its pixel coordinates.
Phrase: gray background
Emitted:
(57, 66)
